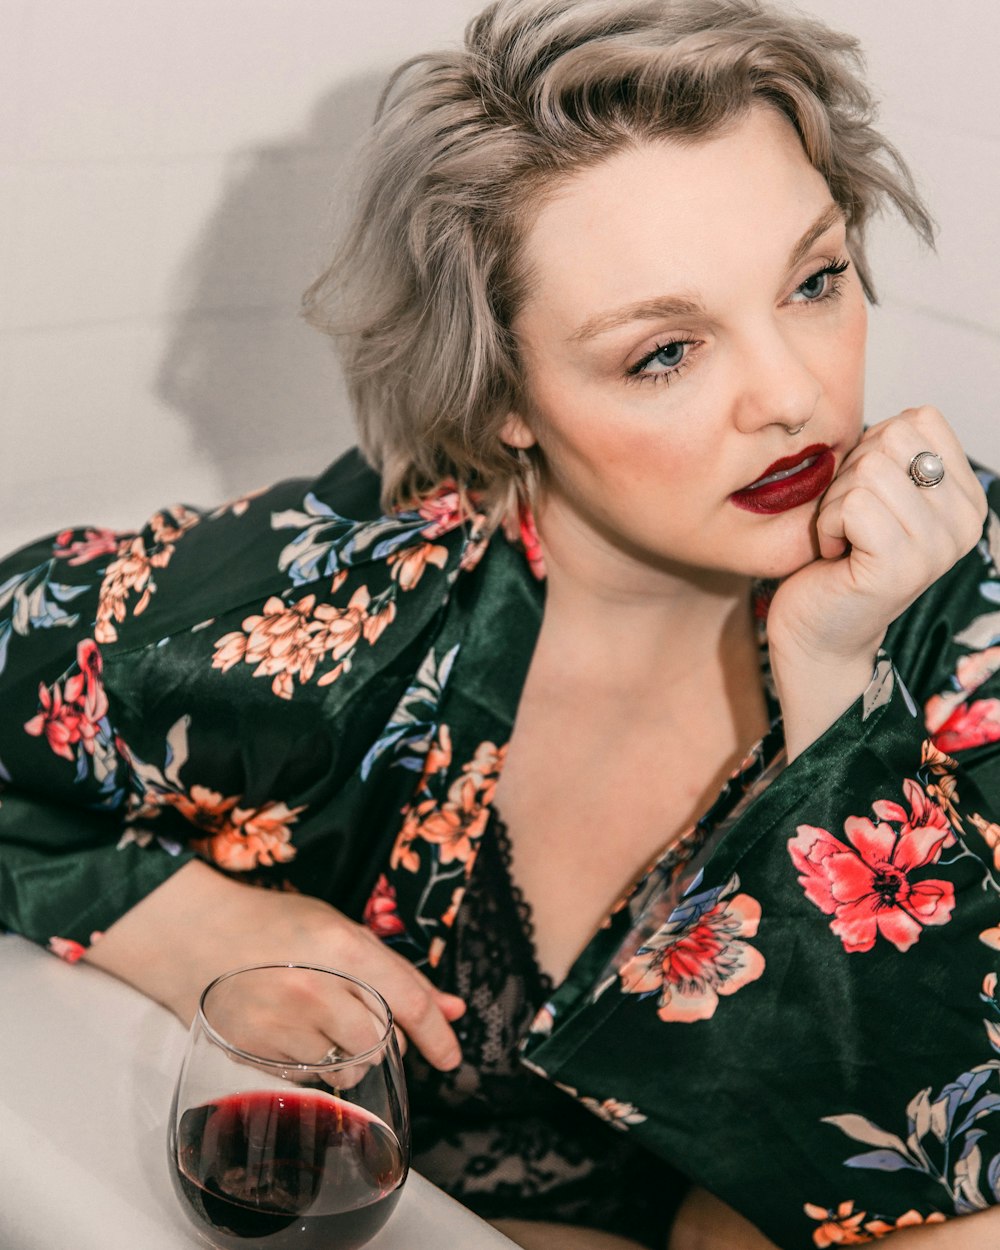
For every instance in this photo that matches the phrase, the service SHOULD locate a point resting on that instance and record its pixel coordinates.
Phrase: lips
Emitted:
(790, 482)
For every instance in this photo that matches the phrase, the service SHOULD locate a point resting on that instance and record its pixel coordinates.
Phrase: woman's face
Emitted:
(689, 304)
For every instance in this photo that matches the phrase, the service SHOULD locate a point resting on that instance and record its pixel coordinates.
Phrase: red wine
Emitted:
(277, 1170)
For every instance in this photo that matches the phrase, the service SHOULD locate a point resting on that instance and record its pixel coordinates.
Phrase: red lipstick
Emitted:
(789, 482)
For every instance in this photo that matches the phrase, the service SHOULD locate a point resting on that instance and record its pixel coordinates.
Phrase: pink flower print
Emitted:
(94, 544)
(73, 714)
(693, 964)
(381, 913)
(67, 949)
(866, 885)
(443, 510)
(968, 725)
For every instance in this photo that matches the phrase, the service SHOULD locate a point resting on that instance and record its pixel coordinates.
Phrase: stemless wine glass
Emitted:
(290, 1125)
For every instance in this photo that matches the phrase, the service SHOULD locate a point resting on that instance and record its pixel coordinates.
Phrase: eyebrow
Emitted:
(680, 306)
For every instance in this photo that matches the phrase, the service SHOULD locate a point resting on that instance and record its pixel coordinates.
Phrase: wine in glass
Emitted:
(290, 1125)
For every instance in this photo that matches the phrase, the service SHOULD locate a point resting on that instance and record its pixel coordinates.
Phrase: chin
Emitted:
(783, 559)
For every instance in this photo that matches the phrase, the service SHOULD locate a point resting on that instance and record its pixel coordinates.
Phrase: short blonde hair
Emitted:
(423, 291)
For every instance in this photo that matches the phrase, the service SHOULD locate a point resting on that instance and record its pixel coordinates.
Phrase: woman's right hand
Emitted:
(200, 923)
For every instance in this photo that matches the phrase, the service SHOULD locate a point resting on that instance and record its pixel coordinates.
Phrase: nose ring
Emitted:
(795, 429)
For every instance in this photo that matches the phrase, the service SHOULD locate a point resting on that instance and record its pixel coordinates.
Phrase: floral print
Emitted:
(867, 884)
(381, 913)
(288, 642)
(233, 837)
(843, 1226)
(131, 573)
(943, 1141)
(698, 955)
(318, 697)
(453, 827)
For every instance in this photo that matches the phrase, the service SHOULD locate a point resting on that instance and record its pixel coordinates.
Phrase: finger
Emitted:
(862, 519)
(452, 1006)
(419, 1008)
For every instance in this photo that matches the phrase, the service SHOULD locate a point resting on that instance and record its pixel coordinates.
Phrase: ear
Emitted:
(515, 433)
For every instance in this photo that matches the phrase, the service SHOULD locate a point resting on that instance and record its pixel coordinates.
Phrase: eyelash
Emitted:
(834, 269)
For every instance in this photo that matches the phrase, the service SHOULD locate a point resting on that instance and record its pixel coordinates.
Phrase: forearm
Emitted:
(813, 693)
(179, 937)
(980, 1231)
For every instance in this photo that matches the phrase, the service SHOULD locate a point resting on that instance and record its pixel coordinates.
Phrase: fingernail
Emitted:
(453, 1058)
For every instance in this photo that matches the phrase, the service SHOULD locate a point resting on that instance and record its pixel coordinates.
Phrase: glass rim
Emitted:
(287, 1065)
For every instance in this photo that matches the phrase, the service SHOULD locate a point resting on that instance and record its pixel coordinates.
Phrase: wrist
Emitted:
(815, 691)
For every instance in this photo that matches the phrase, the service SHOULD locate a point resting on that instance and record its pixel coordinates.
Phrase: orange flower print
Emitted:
(991, 835)
(408, 563)
(519, 527)
(403, 855)
(620, 1115)
(944, 789)
(840, 1227)
(167, 527)
(278, 642)
(204, 808)
(130, 574)
(700, 954)
(251, 837)
(286, 642)
(457, 824)
(911, 1219)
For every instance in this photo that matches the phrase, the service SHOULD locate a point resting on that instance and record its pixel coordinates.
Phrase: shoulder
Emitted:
(320, 540)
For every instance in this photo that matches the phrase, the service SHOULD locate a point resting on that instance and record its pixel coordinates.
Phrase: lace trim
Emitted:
(525, 916)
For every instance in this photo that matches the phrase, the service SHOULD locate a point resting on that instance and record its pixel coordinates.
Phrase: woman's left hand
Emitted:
(882, 541)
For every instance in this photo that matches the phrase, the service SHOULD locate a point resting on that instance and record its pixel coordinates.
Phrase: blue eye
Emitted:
(823, 284)
(669, 356)
(662, 364)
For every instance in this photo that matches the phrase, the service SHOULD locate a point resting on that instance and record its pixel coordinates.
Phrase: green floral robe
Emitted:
(796, 1006)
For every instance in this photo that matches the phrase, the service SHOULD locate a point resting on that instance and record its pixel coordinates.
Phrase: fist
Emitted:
(882, 540)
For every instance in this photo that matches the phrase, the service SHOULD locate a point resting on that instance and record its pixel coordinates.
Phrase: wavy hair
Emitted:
(423, 290)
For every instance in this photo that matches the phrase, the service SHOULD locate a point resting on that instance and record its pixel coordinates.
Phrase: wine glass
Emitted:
(290, 1124)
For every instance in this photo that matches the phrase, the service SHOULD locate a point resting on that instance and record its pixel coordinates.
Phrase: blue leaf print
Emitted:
(414, 721)
(993, 1176)
(4, 774)
(884, 1160)
(5, 632)
(991, 1102)
(990, 591)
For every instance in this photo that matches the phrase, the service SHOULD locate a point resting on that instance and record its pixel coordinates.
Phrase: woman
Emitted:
(603, 313)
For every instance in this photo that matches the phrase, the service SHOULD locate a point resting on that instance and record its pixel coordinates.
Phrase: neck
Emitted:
(672, 619)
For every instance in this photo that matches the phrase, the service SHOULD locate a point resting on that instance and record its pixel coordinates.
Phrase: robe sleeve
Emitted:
(213, 685)
(68, 867)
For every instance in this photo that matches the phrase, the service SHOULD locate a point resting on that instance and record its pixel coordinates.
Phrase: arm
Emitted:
(706, 1223)
(199, 924)
(882, 542)
(109, 693)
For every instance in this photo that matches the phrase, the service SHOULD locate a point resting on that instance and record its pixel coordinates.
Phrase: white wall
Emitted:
(167, 171)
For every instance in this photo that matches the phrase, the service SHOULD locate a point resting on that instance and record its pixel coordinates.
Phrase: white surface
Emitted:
(87, 1069)
(166, 177)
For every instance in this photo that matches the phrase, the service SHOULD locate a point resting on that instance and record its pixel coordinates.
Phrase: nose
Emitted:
(776, 385)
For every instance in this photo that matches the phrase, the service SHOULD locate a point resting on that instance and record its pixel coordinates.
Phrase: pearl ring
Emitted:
(926, 470)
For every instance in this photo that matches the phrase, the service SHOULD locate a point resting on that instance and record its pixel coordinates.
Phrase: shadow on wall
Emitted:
(261, 390)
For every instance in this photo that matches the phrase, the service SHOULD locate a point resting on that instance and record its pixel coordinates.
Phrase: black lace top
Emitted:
(495, 1136)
